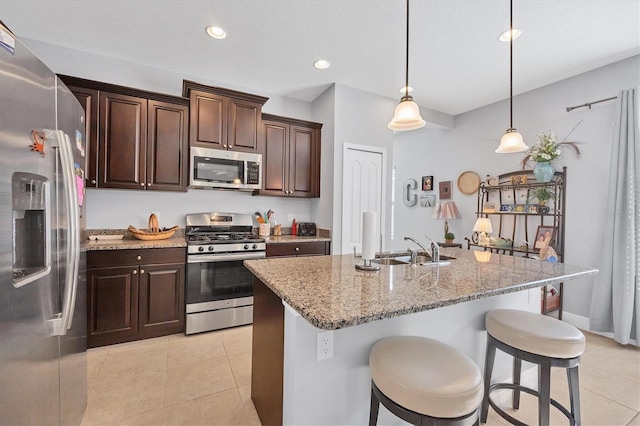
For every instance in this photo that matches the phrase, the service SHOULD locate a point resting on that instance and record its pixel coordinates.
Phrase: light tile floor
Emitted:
(205, 379)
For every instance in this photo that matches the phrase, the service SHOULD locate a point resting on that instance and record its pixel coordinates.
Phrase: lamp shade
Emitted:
(511, 142)
(406, 116)
(446, 210)
(483, 224)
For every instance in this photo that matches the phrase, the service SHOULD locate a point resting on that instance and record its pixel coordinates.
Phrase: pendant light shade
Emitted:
(407, 113)
(512, 140)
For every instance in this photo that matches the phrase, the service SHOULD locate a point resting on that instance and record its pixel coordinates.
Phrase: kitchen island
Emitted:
(297, 300)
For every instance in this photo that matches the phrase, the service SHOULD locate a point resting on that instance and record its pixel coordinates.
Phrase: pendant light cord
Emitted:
(406, 81)
(511, 64)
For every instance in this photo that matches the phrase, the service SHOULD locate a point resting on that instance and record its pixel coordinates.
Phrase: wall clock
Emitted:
(468, 182)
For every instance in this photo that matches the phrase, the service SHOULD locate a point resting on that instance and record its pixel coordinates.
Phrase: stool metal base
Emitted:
(544, 384)
(413, 417)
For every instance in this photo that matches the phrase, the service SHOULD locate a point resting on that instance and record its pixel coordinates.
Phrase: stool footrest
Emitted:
(528, 390)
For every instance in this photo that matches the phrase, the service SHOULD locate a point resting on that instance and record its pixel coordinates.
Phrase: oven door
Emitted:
(213, 281)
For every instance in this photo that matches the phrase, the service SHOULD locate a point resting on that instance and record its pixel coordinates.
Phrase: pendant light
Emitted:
(512, 140)
(407, 113)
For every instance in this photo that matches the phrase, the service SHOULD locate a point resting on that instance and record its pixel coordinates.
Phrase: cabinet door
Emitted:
(167, 147)
(275, 159)
(88, 98)
(208, 120)
(123, 136)
(112, 305)
(303, 171)
(161, 299)
(244, 125)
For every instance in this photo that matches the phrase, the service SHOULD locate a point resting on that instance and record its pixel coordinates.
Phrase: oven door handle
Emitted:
(208, 258)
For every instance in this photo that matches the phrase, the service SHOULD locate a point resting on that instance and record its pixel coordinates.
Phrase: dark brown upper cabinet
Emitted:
(224, 119)
(291, 157)
(136, 139)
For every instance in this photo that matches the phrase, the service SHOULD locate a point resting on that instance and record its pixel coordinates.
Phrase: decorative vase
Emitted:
(543, 171)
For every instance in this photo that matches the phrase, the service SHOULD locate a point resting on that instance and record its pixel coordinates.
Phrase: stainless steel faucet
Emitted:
(435, 250)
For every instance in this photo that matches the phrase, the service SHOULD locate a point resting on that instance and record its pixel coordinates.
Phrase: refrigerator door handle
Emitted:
(73, 258)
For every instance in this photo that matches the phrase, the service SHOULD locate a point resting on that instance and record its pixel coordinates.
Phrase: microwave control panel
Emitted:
(253, 173)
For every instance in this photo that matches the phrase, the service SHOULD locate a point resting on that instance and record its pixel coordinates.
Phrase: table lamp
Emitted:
(483, 226)
(446, 210)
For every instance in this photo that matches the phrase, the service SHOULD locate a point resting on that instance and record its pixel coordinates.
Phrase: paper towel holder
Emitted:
(368, 266)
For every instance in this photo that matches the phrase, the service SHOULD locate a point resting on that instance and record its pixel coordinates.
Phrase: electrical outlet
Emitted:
(325, 345)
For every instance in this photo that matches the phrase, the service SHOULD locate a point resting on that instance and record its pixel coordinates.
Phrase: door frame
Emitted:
(383, 186)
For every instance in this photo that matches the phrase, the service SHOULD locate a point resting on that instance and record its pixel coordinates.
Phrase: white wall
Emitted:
(360, 118)
(447, 153)
(121, 208)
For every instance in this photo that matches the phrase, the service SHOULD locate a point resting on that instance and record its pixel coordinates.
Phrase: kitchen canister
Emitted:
(264, 230)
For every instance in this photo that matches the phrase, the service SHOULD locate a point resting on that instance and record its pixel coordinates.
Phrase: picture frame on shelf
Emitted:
(445, 190)
(427, 183)
(428, 200)
(545, 236)
(518, 180)
(532, 208)
(489, 207)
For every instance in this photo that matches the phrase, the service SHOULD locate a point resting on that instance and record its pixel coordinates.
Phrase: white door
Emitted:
(363, 176)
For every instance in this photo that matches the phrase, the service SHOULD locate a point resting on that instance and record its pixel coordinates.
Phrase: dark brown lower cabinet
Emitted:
(134, 294)
(302, 248)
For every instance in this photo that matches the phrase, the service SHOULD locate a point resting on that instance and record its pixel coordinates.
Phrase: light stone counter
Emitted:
(281, 239)
(297, 299)
(331, 294)
(130, 242)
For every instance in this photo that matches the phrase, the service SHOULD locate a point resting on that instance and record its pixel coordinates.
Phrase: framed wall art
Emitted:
(427, 183)
(428, 200)
(445, 190)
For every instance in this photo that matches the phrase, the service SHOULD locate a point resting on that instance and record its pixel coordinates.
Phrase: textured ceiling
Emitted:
(456, 62)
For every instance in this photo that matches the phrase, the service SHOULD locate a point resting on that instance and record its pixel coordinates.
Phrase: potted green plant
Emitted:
(542, 194)
(449, 237)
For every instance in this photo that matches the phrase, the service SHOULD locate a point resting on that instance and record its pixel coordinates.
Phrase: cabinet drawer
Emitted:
(298, 249)
(109, 258)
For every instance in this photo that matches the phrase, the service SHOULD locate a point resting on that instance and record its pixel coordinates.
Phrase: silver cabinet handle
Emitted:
(93, 181)
(148, 184)
(297, 248)
(139, 258)
(142, 184)
(230, 146)
(142, 271)
(135, 272)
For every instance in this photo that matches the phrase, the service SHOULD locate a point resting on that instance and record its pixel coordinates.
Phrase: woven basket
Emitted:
(153, 233)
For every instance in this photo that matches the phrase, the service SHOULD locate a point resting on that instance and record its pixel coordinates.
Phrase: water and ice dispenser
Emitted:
(31, 245)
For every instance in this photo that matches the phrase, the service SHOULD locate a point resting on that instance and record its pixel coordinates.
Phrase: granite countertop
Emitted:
(331, 294)
(130, 242)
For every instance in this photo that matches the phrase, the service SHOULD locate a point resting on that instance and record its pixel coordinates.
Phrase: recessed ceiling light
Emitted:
(216, 32)
(408, 90)
(322, 64)
(506, 36)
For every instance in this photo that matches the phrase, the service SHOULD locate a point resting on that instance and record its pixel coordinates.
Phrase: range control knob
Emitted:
(200, 248)
(255, 246)
(246, 246)
(210, 248)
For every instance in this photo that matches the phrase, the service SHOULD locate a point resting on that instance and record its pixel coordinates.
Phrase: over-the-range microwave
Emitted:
(218, 168)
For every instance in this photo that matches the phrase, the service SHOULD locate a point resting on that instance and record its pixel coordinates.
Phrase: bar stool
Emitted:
(424, 382)
(538, 339)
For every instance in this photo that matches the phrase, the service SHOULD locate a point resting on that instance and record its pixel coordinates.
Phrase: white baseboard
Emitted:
(583, 324)
(576, 320)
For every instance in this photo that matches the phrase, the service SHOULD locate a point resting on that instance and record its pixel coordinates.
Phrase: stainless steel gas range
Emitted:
(219, 291)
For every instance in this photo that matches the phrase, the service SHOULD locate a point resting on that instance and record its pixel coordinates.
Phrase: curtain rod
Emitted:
(588, 104)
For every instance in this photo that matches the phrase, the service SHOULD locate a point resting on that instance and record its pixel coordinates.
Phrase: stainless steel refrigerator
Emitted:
(43, 364)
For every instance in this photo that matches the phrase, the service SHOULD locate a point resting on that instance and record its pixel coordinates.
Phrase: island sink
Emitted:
(403, 259)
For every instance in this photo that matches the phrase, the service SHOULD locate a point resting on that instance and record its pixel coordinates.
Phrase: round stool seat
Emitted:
(535, 333)
(426, 376)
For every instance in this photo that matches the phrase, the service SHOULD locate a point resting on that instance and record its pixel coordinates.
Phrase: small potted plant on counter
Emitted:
(449, 237)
